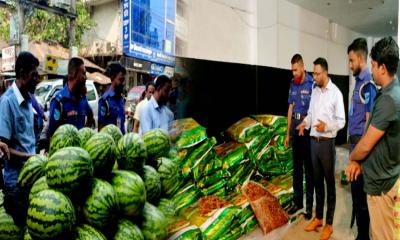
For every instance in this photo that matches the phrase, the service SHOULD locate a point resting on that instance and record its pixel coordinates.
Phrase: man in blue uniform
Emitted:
(112, 104)
(299, 101)
(17, 131)
(360, 109)
(69, 105)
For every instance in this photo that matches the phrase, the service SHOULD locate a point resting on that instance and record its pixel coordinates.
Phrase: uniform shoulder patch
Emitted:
(56, 114)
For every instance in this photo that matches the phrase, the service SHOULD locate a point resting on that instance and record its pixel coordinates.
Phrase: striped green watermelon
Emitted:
(101, 206)
(39, 185)
(152, 183)
(169, 173)
(113, 131)
(168, 208)
(101, 148)
(131, 153)
(69, 169)
(65, 136)
(130, 190)
(84, 135)
(50, 215)
(32, 170)
(128, 230)
(157, 143)
(87, 232)
(8, 229)
(154, 225)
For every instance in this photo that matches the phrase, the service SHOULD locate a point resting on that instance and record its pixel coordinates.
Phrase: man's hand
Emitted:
(301, 127)
(4, 150)
(287, 139)
(353, 170)
(320, 126)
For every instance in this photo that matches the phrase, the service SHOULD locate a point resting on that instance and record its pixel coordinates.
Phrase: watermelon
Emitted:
(169, 172)
(128, 230)
(8, 229)
(87, 232)
(168, 208)
(101, 148)
(32, 170)
(39, 185)
(154, 225)
(84, 135)
(113, 131)
(65, 136)
(157, 143)
(69, 169)
(130, 190)
(50, 215)
(152, 183)
(131, 153)
(101, 206)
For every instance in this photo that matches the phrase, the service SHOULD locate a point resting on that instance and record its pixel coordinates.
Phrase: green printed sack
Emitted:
(219, 223)
(188, 233)
(244, 130)
(231, 153)
(187, 197)
(186, 133)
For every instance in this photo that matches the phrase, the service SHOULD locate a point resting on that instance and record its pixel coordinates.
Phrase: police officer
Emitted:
(361, 105)
(69, 105)
(299, 101)
(112, 104)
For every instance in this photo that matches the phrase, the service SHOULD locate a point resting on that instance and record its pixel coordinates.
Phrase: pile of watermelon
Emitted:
(94, 186)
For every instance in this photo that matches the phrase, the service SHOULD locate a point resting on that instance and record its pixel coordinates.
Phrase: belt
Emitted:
(321, 139)
(298, 116)
(354, 139)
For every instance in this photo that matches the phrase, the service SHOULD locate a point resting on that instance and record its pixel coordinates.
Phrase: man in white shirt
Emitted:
(325, 117)
(148, 93)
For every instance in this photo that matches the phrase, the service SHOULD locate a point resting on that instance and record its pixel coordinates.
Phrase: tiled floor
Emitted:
(341, 224)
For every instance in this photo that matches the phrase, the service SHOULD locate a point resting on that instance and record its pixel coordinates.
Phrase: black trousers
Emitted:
(323, 156)
(360, 205)
(16, 204)
(302, 166)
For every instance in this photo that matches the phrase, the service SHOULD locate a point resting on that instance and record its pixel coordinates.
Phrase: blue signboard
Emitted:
(148, 30)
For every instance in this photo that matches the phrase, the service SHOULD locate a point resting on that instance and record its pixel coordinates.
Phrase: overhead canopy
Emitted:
(42, 49)
(98, 78)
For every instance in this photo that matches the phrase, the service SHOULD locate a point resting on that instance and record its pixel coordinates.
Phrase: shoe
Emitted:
(316, 223)
(294, 210)
(326, 232)
(307, 215)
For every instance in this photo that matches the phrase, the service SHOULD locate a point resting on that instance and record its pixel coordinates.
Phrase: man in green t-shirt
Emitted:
(380, 145)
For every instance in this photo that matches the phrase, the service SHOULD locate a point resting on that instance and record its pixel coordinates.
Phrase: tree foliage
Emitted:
(41, 25)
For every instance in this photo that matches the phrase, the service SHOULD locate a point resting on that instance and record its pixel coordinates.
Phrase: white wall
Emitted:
(108, 27)
(217, 32)
(266, 33)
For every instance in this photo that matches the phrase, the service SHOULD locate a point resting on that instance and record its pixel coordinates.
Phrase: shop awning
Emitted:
(98, 78)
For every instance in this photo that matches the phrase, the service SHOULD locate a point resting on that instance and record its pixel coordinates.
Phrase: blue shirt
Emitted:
(66, 108)
(361, 102)
(300, 95)
(112, 109)
(16, 125)
(155, 116)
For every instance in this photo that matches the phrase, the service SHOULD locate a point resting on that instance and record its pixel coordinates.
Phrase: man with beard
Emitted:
(360, 108)
(299, 101)
(377, 154)
(325, 117)
(155, 114)
(17, 131)
(69, 105)
(112, 104)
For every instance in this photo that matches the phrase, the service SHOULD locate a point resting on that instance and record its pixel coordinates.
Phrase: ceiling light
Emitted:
(350, 1)
(390, 22)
